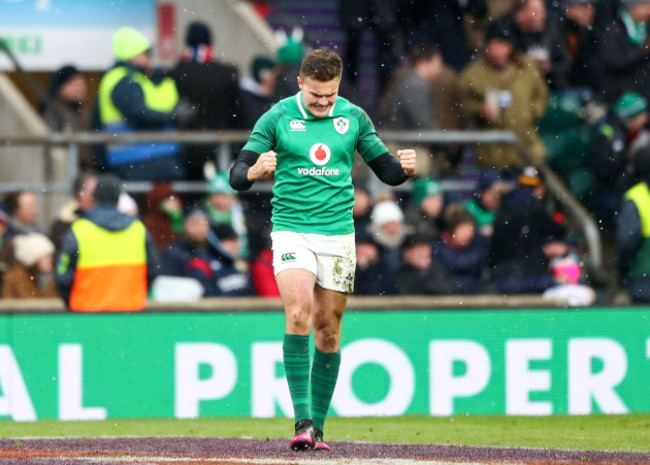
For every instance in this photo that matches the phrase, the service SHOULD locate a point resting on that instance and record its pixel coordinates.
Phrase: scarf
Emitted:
(199, 54)
(637, 32)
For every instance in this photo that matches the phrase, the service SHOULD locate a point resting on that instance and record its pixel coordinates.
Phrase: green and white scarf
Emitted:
(637, 32)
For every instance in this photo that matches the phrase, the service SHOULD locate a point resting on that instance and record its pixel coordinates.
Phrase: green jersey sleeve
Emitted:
(263, 137)
(369, 145)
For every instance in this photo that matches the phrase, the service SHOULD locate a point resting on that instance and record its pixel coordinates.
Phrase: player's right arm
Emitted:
(251, 167)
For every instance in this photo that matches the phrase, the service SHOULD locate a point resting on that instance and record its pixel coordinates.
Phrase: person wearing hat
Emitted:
(258, 89)
(483, 205)
(108, 259)
(525, 239)
(291, 51)
(504, 90)
(424, 211)
(618, 134)
(65, 109)
(135, 96)
(211, 87)
(223, 207)
(624, 51)
(632, 233)
(31, 275)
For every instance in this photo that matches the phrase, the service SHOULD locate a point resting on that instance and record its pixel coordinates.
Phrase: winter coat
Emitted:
(627, 65)
(434, 280)
(522, 227)
(22, 283)
(468, 266)
(527, 102)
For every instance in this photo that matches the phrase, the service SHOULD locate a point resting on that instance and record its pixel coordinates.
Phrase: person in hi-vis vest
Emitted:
(135, 96)
(108, 259)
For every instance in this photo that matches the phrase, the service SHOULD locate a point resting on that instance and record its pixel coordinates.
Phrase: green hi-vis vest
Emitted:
(640, 195)
(162, 97)
(111, 273)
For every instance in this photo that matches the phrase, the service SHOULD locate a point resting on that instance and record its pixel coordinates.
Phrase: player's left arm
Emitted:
(394, 171)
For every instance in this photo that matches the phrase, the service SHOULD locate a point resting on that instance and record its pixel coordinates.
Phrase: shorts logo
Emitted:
(320, 154)
(297, 125)
(288, 257)
(341, 125)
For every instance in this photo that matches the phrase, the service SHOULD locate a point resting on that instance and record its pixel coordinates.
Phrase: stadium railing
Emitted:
(225, 140)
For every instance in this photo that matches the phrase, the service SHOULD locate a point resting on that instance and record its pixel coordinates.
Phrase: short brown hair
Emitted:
(455, 215)
(323, 64)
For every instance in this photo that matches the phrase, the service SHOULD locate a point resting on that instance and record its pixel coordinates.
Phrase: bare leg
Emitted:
(327, 316)
(297, 291)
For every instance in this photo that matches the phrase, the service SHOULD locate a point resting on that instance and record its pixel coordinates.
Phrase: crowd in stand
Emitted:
(450, 64)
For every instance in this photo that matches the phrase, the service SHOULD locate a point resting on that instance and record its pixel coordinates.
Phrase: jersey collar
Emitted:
(303, 110)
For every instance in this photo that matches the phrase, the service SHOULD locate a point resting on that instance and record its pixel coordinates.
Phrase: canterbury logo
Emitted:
(297, 125)
(289, 257)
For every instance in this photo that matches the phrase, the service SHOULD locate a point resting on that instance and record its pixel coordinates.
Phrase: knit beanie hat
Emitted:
(59, 77)
(261, 68)
(629, 105)
(218, 184)
(198, 33)
(128, 43)
(424, 187)
(498, 30)
(30, 248)
(108, 190)
(529, 176)
(385, 212)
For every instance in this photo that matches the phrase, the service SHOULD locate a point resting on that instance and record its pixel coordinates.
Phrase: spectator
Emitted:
(388, 231)
(424, 212)
(486, 200)
(262, 274)
(83, 189)
(65, 111)
(133, 96)
(503, 90)
(372, 276)
(618, 132)
(6, 250)
(31, 275)
(534, 35)
(23, 213)
(258, 90)
(108, 259)
(224, 207)
(192, 244)
(289, 56)
(209, 86)
(578, 36)
(442, 23)
(632, 237)
(362, 206)
(419, 273)
(525, 239)
(163, 215)
(228, 276)
(462, 251)
(625, 52)
(378, 17)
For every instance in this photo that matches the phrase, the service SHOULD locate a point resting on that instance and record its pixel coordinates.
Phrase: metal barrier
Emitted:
(225, 139)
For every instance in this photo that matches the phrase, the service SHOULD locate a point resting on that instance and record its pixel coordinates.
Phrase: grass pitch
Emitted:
(593, 432)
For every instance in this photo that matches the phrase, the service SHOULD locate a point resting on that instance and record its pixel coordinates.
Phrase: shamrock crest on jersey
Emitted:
(341, 125)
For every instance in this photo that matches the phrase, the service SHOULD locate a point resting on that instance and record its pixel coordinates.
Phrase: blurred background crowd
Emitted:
(570, 78)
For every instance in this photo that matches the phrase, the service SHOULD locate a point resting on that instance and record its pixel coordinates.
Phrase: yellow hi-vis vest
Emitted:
(640, 195)
(111, 272)
(161, 97)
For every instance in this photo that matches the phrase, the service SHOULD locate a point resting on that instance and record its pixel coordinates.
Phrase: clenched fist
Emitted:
(265, 165)
(407, 161)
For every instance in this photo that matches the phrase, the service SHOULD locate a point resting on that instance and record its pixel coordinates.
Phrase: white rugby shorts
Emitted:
(332, 259)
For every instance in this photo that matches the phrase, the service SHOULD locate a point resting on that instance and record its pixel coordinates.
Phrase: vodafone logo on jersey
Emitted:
(320, 154)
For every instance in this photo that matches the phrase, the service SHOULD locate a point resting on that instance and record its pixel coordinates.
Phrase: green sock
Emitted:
(296, 366)
(324, 372)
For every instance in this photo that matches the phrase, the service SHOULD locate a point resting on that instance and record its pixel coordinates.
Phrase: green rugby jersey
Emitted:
(313, 190)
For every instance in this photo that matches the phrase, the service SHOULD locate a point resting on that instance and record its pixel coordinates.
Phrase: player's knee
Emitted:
(328, 336)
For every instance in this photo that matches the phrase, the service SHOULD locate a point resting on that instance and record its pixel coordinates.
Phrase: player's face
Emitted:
(319, 96)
